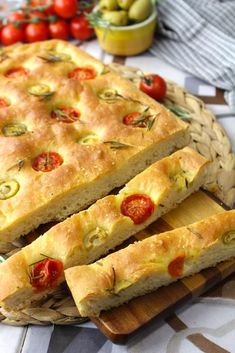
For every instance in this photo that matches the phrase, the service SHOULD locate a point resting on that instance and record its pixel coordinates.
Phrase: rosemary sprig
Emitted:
(63, 116)
(52, 58)
(44, 96)
(3, 56)
(179, 111)
(96, 20)
(18, 166)
(117, 144)
(146, 120)
(43, 255)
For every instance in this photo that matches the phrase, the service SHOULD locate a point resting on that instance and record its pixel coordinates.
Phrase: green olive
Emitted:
(39, 90)
(109, 95)
(108, 5)
(228, 237)
(116, 18)
(89, 139)
(125, 4)
(8, 189)
(140, 10)
(14, 130)
(94, 238)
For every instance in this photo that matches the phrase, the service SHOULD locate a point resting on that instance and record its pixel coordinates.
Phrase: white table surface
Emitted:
(212, 318)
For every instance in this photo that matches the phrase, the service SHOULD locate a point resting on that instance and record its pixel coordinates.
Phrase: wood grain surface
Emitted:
(120, 322)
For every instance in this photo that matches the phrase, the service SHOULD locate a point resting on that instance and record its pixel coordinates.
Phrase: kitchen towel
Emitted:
(199, 37)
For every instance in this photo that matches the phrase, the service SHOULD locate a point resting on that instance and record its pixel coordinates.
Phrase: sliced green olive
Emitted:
(108, 95)
(94, 238)
(8, 189)
(40, 90)
(89, 139)
(228, 237)
(14, 130)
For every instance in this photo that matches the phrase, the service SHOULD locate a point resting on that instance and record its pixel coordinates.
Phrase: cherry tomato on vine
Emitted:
(138, 207)
(59, 29)
(17, 18)
(80, 28)
(154, 86)
(46, 273)
(38, 15)
(36, 32)
(48, 4)
(10, 34)
(66, 8)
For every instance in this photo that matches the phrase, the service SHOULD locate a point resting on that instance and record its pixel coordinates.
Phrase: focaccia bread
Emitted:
(156, 261)
(84, 237)
(70, 131)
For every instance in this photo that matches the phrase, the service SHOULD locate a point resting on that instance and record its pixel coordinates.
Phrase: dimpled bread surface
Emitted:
(97, 150)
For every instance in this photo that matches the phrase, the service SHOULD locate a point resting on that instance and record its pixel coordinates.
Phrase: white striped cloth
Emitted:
(199, 37)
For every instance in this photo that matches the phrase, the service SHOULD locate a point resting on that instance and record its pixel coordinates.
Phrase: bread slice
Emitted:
(156, 261)
(55, 162)
(86, 236)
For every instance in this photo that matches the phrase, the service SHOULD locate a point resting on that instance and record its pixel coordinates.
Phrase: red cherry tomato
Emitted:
(10, 34)
(59, 29)
(132, 118)
(38, 15)
(36, 32)
(80, 28)
(154, 86)
(176, 266)
(17, 17)
(46, 273)
(138, 207)
(66, 115)
(17, 72)
(82, 73)
(66, 8)
(4, 103)
(47, 161)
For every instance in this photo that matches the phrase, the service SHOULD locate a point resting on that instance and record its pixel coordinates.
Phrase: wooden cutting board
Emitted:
(120, 322)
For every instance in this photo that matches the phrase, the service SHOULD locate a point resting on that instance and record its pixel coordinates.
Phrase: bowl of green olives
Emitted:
(124, 27)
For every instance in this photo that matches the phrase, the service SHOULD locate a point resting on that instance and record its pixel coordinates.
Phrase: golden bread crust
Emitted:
(85, 236)
(84, 165)
(96, 287)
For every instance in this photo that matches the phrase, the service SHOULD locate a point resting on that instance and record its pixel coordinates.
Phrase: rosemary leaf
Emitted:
(150, 123)
(179, 111)
(117, 144)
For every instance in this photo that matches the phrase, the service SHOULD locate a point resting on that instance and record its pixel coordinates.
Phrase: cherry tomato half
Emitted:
(17, 72)
(131, 118)
(45, 274)
(47, 161)
(36, 32)
(59, 29)
(138, 207)
(80, 28)
(66, 115)
(66, 8)
(4, 103)
(154, 86)
(11, 35)
(82, 73)
(176, 266)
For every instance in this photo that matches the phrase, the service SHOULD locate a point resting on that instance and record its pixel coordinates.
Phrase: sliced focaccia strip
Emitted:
(86, 236)
(156, 261)
(65, 140)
